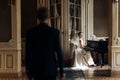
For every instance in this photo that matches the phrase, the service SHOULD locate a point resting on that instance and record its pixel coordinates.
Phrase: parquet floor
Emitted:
(104, 73)
(93, 73)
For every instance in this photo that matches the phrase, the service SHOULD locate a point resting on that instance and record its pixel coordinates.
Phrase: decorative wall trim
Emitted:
(9, 61)
(19, 74)
(117, 59)
(9, 49)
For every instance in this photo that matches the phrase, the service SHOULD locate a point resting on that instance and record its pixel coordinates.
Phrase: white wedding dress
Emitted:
(82, 58)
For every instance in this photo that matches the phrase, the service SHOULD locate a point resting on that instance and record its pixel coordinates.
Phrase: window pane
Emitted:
(77, 11)
(72, 1)
(52, 1)
(78, 24)
(52, 11)
(72, 23)
(52, 22)
(71, 10)
(58, 22)
(58, 1)
(59, 9)
(78, 2)
(119, 22)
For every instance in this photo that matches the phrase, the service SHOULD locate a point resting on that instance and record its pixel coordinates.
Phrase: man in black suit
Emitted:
(43, 50)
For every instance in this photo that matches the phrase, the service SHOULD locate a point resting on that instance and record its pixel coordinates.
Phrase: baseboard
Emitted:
(14, 75)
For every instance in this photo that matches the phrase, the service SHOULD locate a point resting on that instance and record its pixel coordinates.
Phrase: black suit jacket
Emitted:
(42, 48)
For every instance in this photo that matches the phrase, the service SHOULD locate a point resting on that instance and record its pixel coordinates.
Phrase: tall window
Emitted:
(74, 17)
(55, 13)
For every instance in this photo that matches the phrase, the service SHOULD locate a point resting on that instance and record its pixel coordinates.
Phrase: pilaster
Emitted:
(90, 13)
(115, 48)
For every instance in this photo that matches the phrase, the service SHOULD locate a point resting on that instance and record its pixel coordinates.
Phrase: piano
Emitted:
(99, 47)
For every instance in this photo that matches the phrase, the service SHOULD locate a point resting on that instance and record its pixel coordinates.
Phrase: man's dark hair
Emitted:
(42, 13)
(79, 33)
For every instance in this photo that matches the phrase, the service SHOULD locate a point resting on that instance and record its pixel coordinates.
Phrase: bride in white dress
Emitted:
(82, 57)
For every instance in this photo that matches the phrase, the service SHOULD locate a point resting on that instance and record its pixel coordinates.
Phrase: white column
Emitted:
(115, 52)
(90, 18)
(65, 27)
(115, 8)
(83, 18)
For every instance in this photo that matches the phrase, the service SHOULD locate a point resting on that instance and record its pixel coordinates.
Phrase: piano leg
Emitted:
(102, 59)
(97, 62)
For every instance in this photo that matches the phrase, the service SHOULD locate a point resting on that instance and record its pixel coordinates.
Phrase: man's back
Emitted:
(42, 48)
(42, 42)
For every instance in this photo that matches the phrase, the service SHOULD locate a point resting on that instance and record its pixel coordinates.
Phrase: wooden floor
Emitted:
(104, 73)
(92, 73)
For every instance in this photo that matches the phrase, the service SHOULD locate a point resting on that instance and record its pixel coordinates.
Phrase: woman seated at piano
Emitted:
(82, 57)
